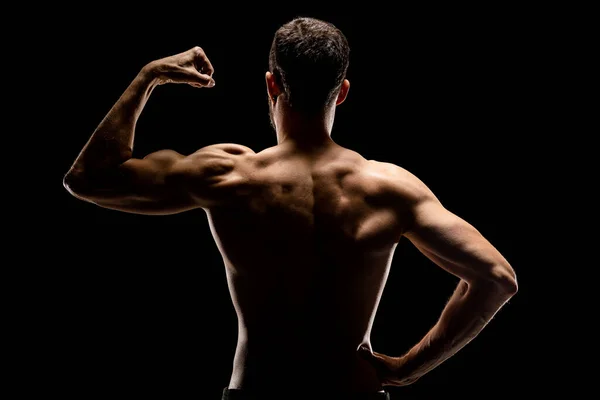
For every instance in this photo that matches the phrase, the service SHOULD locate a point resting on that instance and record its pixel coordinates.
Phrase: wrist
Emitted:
(405, 369)
(150, 74)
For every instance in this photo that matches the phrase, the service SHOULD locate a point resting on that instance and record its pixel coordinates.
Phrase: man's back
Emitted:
(307, 229)
(307, 249)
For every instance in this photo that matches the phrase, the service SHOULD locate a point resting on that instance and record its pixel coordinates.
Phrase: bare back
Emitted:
(307, 238)
(307, 248)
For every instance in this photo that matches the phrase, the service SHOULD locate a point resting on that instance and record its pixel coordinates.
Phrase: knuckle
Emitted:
(198, 50)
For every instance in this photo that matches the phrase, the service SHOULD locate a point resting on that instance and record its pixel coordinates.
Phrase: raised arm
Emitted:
(487, 282)
(105, 172)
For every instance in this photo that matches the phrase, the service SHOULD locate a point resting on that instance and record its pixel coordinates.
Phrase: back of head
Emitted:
(309, 59)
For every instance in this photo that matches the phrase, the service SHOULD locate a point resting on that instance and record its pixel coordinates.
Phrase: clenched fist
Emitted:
(192, 67)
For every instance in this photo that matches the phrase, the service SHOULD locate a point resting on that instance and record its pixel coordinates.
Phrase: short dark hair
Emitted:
(309, 59)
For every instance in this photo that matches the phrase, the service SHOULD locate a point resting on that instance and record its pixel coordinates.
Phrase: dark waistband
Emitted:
(292, 393)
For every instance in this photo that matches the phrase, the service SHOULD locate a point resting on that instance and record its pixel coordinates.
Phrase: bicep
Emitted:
(453, 243)
(167, 182)
(152, 185)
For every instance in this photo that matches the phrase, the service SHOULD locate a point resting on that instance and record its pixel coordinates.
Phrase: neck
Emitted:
(300, 129)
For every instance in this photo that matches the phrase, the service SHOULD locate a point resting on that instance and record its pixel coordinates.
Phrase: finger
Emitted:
(202, 79)
(378, 361)
(369, 355)
(366, 352)
(207, 68)
(380, 357)
(202, 62)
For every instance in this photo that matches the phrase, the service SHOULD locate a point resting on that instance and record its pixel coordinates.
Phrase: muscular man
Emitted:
(307, 228)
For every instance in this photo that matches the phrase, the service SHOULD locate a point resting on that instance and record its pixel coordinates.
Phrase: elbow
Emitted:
(94, 188)
(505, 279)
(75, 184)
(69, 183)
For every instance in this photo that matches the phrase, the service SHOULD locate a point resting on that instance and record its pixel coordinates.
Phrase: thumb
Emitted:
(375, 359)
(203, 79)
(365, 353)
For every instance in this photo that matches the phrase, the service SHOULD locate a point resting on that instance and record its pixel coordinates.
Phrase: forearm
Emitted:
(112, 142)
(467, 312)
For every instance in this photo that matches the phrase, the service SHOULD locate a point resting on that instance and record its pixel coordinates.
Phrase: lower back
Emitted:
(291, 362)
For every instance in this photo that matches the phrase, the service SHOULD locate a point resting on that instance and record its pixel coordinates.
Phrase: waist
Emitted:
(301, 366)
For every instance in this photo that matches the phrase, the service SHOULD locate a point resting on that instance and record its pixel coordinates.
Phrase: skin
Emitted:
(307, 230)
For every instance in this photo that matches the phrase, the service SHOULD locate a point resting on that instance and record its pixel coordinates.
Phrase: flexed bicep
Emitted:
(152, 185)
(166, 182)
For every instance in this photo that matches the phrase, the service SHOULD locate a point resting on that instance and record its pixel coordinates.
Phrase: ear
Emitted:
(273, 88)
(343, 92)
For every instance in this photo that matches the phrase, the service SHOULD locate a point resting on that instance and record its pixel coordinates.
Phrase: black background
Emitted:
(139, 305)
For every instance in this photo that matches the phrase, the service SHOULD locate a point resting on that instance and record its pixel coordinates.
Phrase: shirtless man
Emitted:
(307, 229)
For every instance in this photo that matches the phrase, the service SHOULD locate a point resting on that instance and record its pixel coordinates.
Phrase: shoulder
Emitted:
(215, 174)
(215, 159)
(395, 182)
(222, 151)
(228, 148)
